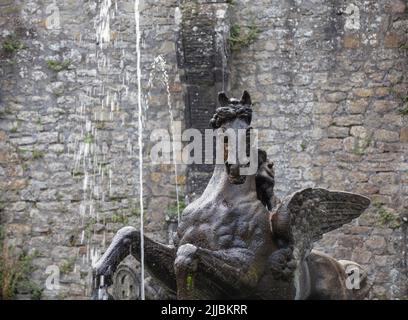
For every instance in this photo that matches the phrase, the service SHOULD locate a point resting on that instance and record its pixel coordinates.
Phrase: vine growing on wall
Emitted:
(242, 36)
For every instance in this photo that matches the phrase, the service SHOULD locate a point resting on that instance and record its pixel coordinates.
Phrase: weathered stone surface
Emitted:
(325, 108)
(351, 41)
(330, 145)
(365, 79)
(349, 120)
(386, 135)
(336, 96)
(310, 88)
(382, 106)
(41, 185)
(363, 92)
(398, 6)
(404, 134)
(392, 40)
(357, 106)
(359, 132)
(376, 244)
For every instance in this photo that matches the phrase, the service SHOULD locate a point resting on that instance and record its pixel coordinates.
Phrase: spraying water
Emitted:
(140, 143)
(103, 28)
(92, 157)
(159, 64)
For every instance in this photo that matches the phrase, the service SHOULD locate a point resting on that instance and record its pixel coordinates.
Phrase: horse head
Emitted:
(233, 121)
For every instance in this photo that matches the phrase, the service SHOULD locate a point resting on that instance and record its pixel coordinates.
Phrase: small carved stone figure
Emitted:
(238, 241)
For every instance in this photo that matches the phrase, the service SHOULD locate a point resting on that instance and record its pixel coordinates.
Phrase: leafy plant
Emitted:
(14, 271)
(14, 129)
(242, 36)
(404, 46)
(11, 44)
(118, 218)
(37, 154)
(174, 209)
(387, 218)
(67, 266)
(303, 145)
(403, 110)
(88, 228)
(89, 138)
(76, 173)
(58, 66)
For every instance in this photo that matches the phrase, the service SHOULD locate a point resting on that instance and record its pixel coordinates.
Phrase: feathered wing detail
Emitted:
(303, 217)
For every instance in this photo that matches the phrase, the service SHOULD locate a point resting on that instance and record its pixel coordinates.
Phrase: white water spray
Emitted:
(140, 143)
(159, 64)
(103, 28)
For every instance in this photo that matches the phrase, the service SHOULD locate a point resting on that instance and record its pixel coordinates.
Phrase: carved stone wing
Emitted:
(303, 217)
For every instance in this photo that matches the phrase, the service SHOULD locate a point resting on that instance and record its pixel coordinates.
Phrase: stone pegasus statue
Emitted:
(238, 241)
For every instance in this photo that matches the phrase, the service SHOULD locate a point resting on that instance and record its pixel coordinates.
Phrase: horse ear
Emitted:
(223, 99)
(246, 99)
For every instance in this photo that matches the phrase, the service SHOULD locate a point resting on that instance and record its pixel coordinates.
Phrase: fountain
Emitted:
(140, 144)
(239, 241)
(94, 163)
(159, 66)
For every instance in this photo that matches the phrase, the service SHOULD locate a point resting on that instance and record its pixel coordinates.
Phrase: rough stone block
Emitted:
(351, 41)
(382, 106)
(392, 41)
(363, 92)
(359, 132)
(330, 145)
(347, 121)
(336, 96)
(404, 134)
(386, 135)
(357, 106)
(338, 132)
(376, 243)
(398, 6)
(325, 108)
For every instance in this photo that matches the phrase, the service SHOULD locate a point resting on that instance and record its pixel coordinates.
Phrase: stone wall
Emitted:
(324, 77)
(69, 132)
(327, 79)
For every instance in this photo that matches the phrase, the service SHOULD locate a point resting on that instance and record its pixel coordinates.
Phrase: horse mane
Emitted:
(228, 113)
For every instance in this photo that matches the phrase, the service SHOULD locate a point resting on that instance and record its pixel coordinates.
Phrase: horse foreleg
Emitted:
(159, 258)
(206, 274)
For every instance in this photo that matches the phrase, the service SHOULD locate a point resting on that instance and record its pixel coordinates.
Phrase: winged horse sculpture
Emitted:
(238, 241)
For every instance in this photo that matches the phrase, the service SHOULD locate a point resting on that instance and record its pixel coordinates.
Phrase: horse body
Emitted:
(238, 241)
(229, 221)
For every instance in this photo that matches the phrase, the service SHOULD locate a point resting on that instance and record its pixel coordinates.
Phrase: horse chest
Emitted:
(217, 226)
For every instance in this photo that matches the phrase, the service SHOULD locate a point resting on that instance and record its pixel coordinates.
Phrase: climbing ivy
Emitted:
(242, 36)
